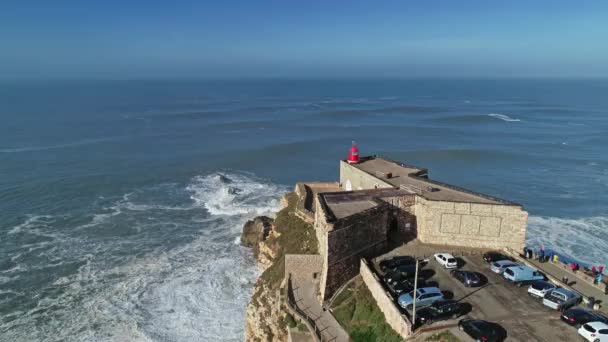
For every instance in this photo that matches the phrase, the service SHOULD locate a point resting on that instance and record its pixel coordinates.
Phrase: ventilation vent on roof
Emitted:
(384, 174)
(432, 189)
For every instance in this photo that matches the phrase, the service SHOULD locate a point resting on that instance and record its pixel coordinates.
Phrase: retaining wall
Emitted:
(385, 302)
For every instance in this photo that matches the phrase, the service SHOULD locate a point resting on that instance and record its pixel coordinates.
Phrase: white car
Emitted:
(446, 260)
(594, 331)
(540, 288)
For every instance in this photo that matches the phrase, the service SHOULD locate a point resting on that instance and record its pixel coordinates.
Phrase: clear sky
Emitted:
(312, 39)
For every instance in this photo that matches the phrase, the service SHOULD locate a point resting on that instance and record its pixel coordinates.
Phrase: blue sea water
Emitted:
(115, 223)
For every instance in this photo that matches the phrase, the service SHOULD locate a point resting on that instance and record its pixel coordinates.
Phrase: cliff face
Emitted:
(266, 316)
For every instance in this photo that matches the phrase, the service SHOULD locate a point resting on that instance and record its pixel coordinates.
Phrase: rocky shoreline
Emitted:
(266, 317)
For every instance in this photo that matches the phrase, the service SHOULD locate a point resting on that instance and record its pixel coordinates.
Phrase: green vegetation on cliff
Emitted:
(291, 236)
(444, 336)
(358, 313)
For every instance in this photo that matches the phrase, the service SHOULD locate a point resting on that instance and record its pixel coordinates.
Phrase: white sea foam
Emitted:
(232, 194)
(586, 239)
(503, 117)
(138, 287)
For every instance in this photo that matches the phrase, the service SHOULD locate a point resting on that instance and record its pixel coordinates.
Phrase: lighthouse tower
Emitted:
(353, 154)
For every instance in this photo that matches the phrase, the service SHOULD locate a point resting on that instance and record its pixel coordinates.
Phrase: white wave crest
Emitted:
(585, 239)
(234, 194)
(146, 266)
(503, 117)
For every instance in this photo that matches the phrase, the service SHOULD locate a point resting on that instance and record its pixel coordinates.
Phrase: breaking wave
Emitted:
(503, 117)
(585, 239)
(157, 264)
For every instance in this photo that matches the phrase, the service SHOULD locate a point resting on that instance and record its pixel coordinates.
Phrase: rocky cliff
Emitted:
(266, 319)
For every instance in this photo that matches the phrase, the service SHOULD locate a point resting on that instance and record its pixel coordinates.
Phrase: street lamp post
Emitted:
(414, 297)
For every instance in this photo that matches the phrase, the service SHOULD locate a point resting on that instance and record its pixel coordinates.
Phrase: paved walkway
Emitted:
(557, 273)
(305, 293)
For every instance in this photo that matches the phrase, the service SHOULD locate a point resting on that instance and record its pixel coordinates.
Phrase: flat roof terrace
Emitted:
(409, 177)
(346, 203)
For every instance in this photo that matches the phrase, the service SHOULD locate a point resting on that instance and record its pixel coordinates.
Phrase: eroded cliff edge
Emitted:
(266, 317)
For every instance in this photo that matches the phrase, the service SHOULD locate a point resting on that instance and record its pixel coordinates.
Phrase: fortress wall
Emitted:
(385, 302)
(359, 180)
(303, 266)
(321, 228)
(470, 224)
(363, 235)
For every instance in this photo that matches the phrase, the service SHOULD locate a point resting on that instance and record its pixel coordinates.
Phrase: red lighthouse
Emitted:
(353, 154)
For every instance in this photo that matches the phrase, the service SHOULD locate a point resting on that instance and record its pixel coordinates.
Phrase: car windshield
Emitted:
(589, 328)
(451, 260)
(509, 271)
(557, 296)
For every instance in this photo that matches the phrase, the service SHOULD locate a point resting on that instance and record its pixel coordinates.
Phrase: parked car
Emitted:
(500, 265)
(446, 260)
(594, 331)
(400, 273)
(468, 278)
(425, 296)
(520, 275)
(481, 330)
(561, 299)
(440, 310)
(540, 288)
(404, 285)
(490, 257)
(578, 316)
(391, 263)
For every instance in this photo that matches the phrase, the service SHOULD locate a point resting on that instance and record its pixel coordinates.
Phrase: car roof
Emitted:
(444, 302)
(504, 262)
(522, 268)
(598, 325)
(429, 290)
(565, 291)
(447, 255)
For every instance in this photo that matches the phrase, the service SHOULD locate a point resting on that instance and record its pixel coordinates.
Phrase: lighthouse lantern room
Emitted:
(353, 154)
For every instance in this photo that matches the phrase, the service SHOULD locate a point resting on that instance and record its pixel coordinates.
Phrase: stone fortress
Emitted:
(378, 203)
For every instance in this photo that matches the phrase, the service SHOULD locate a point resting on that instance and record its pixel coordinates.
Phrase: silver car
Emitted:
(561, 299)
(500, 265)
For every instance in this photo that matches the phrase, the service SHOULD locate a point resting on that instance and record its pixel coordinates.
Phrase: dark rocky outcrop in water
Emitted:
(256, 230)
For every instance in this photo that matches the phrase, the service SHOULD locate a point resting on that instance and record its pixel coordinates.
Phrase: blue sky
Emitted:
(318, 39)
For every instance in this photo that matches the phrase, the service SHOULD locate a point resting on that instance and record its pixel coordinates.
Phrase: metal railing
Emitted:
(292, 304)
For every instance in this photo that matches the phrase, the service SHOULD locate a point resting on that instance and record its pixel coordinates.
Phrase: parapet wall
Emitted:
(303, 266)
(470, 224)
(359, 180)
(385, 302)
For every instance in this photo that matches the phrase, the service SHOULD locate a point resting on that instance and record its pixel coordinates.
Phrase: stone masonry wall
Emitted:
(392, 315)
(322, 227)
(470, 224)
(363, 235)
(304, 266)
(359, 180)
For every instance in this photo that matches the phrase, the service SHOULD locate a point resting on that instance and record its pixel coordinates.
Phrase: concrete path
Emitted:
(305, 293)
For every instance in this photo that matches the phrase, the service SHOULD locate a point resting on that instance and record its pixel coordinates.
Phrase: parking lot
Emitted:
(523, 317)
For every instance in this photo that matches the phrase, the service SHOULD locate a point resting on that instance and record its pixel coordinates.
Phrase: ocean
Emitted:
(122, 202)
